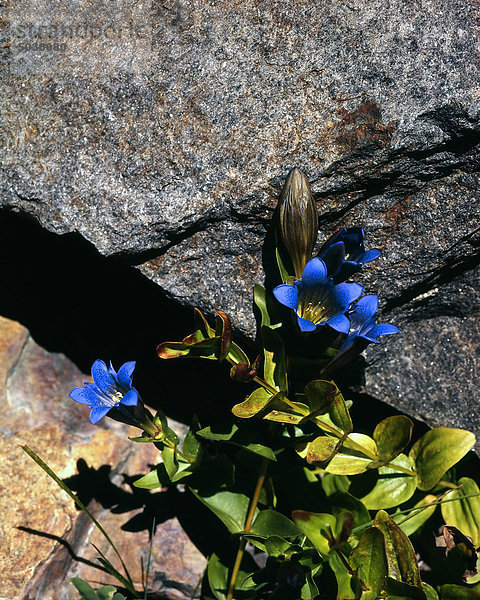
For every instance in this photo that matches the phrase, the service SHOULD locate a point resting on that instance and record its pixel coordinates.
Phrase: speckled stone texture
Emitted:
(45, 539)
(163, 136)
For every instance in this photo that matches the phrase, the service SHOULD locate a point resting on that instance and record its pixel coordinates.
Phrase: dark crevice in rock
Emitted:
(453, 268)
(75, 301)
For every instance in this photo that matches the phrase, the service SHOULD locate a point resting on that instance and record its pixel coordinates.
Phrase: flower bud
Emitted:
(298, 219)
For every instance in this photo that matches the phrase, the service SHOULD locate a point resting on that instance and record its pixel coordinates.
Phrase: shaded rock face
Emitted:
(165, 138)
(45, 540)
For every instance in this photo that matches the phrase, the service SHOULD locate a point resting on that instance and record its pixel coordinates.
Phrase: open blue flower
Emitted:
(344, 253)
(316, 300)
(109, 390)
(363, 332)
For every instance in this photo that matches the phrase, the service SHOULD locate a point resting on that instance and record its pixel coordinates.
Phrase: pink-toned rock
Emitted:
(45, 540)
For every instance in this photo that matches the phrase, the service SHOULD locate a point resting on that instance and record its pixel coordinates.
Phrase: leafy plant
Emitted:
(333, 511)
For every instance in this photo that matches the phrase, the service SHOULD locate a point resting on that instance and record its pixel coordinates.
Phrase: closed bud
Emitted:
(298, 220)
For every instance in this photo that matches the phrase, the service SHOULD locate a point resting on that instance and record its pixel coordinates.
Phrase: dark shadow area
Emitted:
(65, 544)
(156, 507)
(75, 301)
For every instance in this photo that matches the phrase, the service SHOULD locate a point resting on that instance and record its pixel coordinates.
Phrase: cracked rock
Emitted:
(163, 137)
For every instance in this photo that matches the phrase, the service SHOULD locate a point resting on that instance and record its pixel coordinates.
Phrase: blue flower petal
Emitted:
(333, 257)
(364, 310)
(306, 325)
(345, 294)
(98, 413)
(130, 398)
(287, 295)
(346, 270)
(125, 374)
(101, 375)
(314, 273)
(370, 255)
(340, 323)
(384, 329)
(84, 395)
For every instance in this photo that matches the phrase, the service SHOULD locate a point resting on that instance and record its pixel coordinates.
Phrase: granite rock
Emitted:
(162, 133)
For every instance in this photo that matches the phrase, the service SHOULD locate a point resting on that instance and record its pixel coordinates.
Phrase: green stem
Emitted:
(248, 526)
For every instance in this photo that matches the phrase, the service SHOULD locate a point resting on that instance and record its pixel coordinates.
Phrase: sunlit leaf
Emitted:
(343, 501)
(217, 574)
(370, 559)
(392, 435)
(437, 451)
(253, 404)
(464, 514)
(399, 590)
(345, 583)
(281, 267)
(401, 559)
(409, 523)
(230, 507)
(392, 487)
(350, 460)
(318, 527)
(274, 366)
(321, 449)
(319, 394)
(338, 413)
(270, 522)
(241, 437)
(457, 592)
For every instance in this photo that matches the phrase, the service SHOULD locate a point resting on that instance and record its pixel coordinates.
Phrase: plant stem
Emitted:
(248, 526)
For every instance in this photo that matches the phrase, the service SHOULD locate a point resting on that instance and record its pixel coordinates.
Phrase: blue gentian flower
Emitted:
(346, 244)
(316, 300)
(363, 332)
(109, 390)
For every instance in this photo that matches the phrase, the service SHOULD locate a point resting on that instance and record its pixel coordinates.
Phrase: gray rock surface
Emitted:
(162, 132)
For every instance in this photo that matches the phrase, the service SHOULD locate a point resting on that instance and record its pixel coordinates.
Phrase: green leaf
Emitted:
(370, 559)
(230, 507)
(398, 590)
(191, 446)
(457, 592)
(410, 522)
(169, 457)
(321, 449)
(152, 480)
(392, 487)
(350, 461)
(401, 559)
(281, 267)
(464, 514)
(107, 592)
(276, 546)
(217, 574)
(260, 299)
(343, 501)
(319, 394)
(318, 527)
(85, 589)
(334, 483)
(392, 435)
(223, 330)
(253, 404)
(338, 413)
(274, 366)
(437, 451)
(241, 437)
(271, 522)
(208, 348)
(344, 578)
(430, 593)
